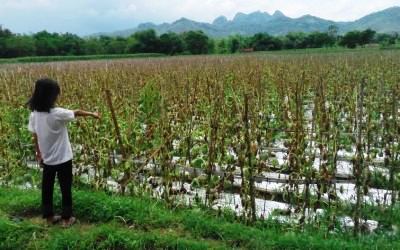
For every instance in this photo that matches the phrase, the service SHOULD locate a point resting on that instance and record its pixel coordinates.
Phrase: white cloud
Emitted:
(23, 4)
(90, 16)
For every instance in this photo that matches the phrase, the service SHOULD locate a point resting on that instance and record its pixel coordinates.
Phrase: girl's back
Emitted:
(52, 134)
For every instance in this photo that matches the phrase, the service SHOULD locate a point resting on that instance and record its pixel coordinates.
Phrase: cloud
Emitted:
(90, 16)
(23, 4)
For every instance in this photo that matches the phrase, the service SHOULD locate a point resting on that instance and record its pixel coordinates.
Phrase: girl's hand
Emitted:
(38, 157)
(96, 115)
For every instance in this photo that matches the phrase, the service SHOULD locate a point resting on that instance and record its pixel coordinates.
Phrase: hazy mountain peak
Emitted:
(256, 17)
(238, 16)
(278, 13)
(390, 12)
(259, 14)
(386, 21)
(182, 20)
(148, 25)
(312, 19)
(394, 8)
(221, 20)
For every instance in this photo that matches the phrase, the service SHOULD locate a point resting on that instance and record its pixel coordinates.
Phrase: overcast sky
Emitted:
(90, 16)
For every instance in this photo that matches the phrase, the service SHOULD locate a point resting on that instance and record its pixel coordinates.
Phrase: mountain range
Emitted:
(385, 21)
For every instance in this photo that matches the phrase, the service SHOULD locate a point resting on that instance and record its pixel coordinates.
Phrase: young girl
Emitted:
(53, 149)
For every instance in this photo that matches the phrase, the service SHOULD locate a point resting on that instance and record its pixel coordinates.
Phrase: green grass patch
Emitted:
(35, 59)
(322, 51)
(329, 50)
(114, 216)
(27, 235)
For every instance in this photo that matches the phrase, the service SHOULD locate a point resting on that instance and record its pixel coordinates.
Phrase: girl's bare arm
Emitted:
(37, 150)
(82, 113)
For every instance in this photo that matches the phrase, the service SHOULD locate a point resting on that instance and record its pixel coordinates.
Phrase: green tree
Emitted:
(144, 42)
(354, 38)
(21, 45)
(366, 37)
(211, 46)
(93, 46)
(171, 44)
(116, 45)
(222, 47)
(196, 42)
(70, 44)
(46, 44)
(4, 35)
(234, 44)
(333, 31)
(350, 39)
(386, 39)
(263, 41)
(295, 40)
(319, 40)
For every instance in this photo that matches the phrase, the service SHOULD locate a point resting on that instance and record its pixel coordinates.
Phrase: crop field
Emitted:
(295, 139)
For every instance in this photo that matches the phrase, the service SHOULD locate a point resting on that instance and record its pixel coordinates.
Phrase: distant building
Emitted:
(246, 50)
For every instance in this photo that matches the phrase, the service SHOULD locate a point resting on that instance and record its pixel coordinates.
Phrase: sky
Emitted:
(84, 17)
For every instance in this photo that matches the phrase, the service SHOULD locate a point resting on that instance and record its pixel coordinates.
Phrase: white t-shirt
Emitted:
(52, 134)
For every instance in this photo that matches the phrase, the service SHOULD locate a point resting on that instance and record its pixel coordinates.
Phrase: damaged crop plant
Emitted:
(309, 141)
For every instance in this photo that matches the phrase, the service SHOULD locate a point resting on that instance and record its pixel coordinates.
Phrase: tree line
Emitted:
(192, 42)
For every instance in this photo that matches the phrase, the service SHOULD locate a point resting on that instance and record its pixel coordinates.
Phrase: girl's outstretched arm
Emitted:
(86, 113)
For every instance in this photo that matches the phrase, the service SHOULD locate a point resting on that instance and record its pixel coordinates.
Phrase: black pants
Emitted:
(64, 175)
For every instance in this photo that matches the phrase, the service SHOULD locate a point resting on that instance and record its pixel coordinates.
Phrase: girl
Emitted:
(53, 149)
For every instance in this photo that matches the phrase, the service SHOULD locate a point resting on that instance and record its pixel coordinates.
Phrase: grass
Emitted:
(31, 234)
(328, 50)
(34, 59)
(115, 222)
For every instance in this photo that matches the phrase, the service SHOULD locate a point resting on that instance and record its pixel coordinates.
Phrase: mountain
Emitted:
(220, 21)
(385, 21)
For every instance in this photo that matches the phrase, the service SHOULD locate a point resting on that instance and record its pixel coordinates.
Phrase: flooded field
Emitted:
(298, 138)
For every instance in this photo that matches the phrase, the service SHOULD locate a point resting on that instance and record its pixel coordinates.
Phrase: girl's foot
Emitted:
(68, 222)
(53, 219)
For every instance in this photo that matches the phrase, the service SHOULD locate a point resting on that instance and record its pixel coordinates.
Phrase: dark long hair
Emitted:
(44, 96)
